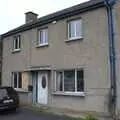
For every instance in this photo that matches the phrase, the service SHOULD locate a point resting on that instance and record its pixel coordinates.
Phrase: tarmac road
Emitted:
(26, 114)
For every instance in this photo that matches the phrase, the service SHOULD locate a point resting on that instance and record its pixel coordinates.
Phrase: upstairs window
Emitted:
(75, 29)
(43, 36)
(17, 79)
(16, 43)
(70, 81)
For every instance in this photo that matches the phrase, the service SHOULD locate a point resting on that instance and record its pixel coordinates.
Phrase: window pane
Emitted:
(75, 28)
(80, 80)
(15, 79)
(19, 80)
(46, 35)
(59, 81)
(14, 43)
(43, 36)
(78, 28)
(71, 29)
(43, 39)
(69, 80)
(18, 41)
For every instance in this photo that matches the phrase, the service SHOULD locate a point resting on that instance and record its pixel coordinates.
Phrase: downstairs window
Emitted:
(17, 80)
(70, 81)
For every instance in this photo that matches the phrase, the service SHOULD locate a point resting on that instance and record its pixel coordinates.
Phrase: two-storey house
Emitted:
(62, 59)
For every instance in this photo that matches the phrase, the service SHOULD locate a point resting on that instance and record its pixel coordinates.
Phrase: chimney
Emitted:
(30, 17)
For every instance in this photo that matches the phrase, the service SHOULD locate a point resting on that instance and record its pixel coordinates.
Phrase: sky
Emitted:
(12, 11)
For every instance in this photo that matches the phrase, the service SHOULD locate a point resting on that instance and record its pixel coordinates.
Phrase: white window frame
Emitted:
(17, 80)
(69, 93)
(18, 43)
(76, 37)
(45, 37)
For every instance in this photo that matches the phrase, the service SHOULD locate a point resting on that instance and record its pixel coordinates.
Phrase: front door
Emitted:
(42, 88)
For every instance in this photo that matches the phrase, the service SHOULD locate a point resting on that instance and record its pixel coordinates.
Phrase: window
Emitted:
(43, 36)
(59, 81)
(70, 81)
(75, 29)
(3, 93)
(16, 43)
(17, 80)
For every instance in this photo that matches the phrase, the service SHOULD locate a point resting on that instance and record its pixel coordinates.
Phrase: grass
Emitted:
(73, 118)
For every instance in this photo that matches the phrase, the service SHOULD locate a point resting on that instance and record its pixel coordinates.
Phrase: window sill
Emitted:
(21, 90)
(42, 45)
(73, 39)
(80, 94)
(15, 50)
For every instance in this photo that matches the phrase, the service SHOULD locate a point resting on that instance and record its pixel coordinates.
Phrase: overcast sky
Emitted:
(12, 11)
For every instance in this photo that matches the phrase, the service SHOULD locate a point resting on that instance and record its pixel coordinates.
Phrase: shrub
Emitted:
(90, 117)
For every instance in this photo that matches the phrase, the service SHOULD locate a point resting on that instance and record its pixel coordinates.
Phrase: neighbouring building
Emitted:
(63, 59)
(0, 61)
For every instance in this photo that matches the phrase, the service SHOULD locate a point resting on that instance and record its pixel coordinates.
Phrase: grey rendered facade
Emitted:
(91, 53)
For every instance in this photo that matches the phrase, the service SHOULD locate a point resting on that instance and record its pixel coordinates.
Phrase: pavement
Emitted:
(27, 114)
(67, 112)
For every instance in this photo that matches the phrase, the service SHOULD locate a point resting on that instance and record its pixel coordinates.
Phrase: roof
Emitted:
(80, 8)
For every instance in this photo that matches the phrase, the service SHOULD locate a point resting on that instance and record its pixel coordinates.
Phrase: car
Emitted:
(9, 98)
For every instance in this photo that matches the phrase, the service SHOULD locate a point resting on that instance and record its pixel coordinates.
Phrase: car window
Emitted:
(11, 91)
(3, 93)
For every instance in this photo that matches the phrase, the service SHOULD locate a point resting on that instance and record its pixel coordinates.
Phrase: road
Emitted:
(26, 114)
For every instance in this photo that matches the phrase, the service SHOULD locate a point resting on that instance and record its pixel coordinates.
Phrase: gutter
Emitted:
(112, 55)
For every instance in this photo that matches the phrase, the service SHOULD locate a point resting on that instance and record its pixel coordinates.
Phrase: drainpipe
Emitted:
(112, 55)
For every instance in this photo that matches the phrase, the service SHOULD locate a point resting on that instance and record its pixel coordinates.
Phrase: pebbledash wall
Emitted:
(91, 53)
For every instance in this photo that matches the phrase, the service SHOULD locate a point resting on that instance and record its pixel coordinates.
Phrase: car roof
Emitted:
(2, 87)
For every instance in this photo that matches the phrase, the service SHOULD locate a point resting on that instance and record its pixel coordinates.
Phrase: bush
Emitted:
(90, 117)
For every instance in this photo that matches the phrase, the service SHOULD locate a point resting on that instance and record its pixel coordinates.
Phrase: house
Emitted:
(64, 59)
(0, 59)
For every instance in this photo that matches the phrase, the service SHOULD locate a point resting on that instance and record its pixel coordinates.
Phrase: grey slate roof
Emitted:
(80, 8)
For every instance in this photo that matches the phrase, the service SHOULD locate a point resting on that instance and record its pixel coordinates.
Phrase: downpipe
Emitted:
(112, 55)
